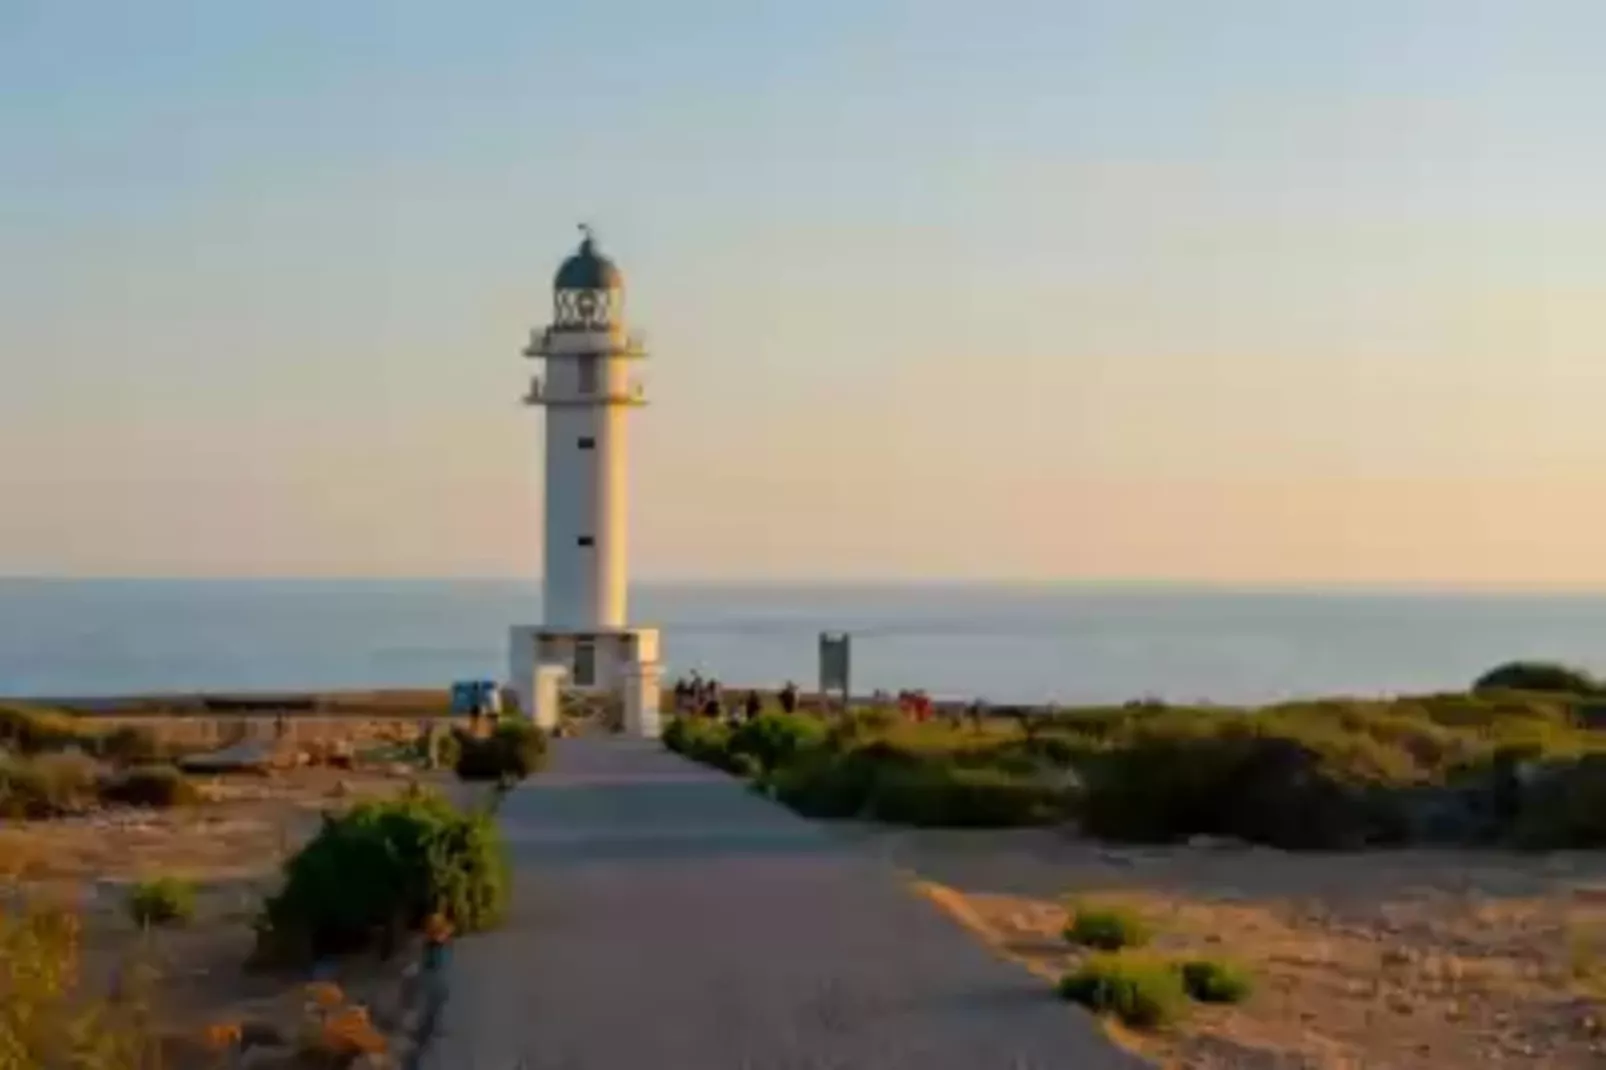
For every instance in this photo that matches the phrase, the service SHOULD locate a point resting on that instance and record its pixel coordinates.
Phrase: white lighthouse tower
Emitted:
(589, 392)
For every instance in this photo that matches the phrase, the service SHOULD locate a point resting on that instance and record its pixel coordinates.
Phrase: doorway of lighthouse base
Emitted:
(591, 701)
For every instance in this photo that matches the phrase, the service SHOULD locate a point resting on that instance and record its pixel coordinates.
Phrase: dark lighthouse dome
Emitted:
(588, 269)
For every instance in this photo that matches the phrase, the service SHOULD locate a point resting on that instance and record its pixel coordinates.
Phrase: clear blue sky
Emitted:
(1258, 290)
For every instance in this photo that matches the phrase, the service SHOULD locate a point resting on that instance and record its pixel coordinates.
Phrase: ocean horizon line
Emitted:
(864, 583)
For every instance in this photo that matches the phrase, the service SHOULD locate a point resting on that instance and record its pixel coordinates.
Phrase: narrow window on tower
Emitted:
(587, 442)
(588, 375)
(587, 540)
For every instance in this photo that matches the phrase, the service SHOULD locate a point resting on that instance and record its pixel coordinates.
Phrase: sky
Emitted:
(1253, 291)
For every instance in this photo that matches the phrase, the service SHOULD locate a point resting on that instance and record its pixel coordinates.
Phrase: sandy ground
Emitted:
(1439, 960)
(232, 846)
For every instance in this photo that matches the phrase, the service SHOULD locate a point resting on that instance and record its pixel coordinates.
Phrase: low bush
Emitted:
(832, 784)
(744, 766)
(381, 870)
(31, 729)
(46, 785)
(1256, 777)
(1143, 992)
(948, 795)
(132, 745)
(773, 739)
(1561, 803)
(163, 901)
(514, 749)
(1107, 928)
(674, 732)
(1216, 981)
(523, 746)
(155, 786)
(1537, 676)
(702, 739)
(859, 725)
(1322, 774)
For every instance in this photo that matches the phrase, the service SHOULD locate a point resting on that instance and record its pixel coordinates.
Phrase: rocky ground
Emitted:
(1430, 960)
(231, 846)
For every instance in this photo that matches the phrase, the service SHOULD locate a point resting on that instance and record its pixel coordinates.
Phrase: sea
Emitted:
(1065, 643)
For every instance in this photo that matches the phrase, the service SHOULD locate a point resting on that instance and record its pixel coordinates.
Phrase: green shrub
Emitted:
(1107, 928)
(773, 739)
(1563, 804)
(523, 745)
(46, 785)
(832, 784)
(674, 734)
(744, 765)
(1063, 749)
(1215, 981)
(156, 786)
(1536, 676)
(380, 870)
(859, 725)
(702, 739)
(163, 901)
(942, 794)
(31, 729)
(1264, 778)
(1143, 992)
(514, 749)
(132, 745)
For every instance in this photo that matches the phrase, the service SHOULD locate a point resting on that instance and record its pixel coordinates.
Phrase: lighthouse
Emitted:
(589, 391)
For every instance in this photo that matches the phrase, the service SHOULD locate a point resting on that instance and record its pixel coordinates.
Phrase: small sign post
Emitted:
(834, 665)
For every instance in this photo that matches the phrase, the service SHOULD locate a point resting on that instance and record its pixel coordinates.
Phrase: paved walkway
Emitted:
(666, 918)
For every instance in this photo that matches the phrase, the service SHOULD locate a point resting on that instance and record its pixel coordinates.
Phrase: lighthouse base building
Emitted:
(623, 663)
(585, 644)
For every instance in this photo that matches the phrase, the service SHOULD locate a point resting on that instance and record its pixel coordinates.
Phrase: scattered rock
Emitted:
(1400, 1003)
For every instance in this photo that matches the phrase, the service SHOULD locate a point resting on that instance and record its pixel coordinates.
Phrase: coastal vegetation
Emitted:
(1544, 676)
(1107, 928)
(1115, 973)
(513, 749)
(1520, 768)
(379, 872)
(286, 847)
(1148, 991)
(161, 901)
(1143, 991)
(1216, 980)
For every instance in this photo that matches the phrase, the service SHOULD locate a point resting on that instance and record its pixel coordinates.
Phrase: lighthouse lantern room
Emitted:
(589, 391)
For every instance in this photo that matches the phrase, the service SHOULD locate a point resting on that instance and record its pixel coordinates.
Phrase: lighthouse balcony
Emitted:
(565, 342)
(631, 393)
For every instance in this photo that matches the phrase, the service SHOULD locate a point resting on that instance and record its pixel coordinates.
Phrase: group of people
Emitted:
(696, 695)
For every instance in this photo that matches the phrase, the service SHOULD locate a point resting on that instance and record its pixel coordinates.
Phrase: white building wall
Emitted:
(569, 490)
(586, 586)
(612, 514)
